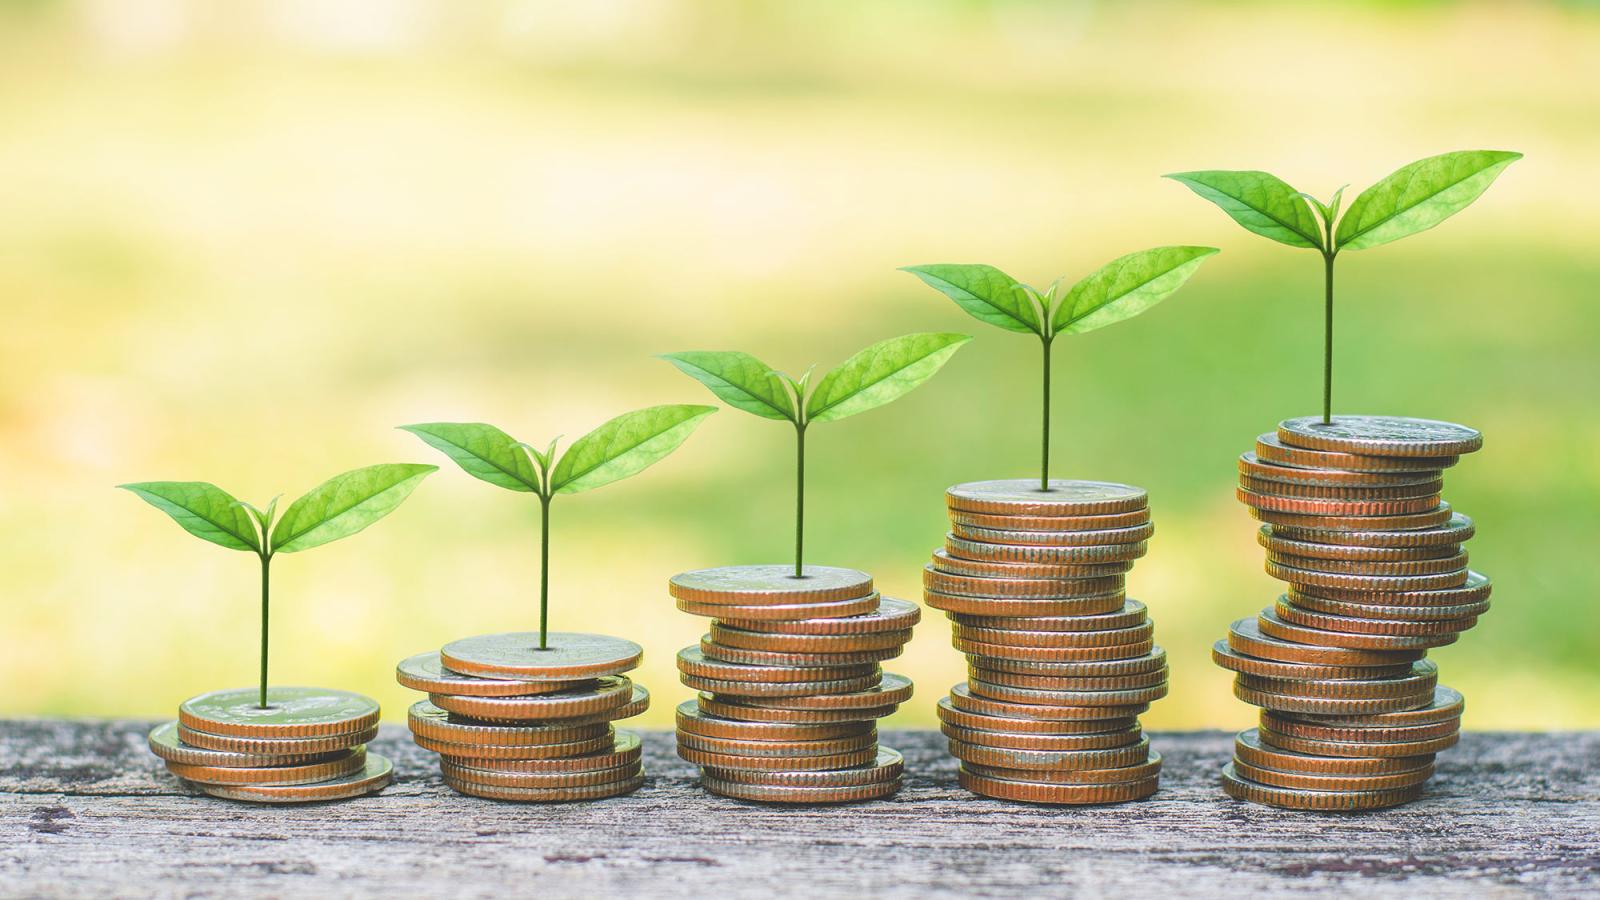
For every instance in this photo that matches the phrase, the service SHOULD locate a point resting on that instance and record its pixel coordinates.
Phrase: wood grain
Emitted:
(85, 810)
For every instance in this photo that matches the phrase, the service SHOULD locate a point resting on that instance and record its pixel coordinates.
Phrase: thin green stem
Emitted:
(266, 568)
(1044, 431)
(799, 500)
(544, 571)
(1327, 341)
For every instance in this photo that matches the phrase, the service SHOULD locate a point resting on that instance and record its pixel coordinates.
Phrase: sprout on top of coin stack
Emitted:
(1351, 712)
(527, 715)
(788, 675)
(278, 744)
(1060, 662)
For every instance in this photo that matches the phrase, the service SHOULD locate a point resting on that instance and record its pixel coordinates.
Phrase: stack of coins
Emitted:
(789, 681)
(305, 744)
(511, 721)
(1060, 662)
(1351, 712)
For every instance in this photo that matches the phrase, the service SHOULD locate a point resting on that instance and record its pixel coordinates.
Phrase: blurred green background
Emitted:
(241, 243)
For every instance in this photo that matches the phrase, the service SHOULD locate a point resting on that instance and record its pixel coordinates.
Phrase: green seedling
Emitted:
(624, 446)
(1413, 198)
(882, 373)
(336, 508)
(1121, 289)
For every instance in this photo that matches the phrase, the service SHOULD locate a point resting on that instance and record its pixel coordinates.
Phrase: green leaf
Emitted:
(482, 451)
(1419, 196)
(345, 504)
(1127, 286)
(880, 374)
(739, 379)
(1262, 203)
(986, 293)
(204, 510)
(626, 445)
(264, 518)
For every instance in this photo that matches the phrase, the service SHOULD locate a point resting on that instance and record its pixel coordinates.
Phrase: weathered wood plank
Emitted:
(86, 811)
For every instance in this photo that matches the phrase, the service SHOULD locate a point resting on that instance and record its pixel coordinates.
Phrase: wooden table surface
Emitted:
(86, 810)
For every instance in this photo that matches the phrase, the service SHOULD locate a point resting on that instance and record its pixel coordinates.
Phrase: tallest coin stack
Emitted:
(1351, 712)
(1060, 662)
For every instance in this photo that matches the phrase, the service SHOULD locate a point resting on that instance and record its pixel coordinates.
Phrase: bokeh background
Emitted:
(242, 242)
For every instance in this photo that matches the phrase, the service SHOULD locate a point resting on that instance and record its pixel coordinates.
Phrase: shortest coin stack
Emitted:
(512, 721)
(789, 681)
(1060, 662)
(303, 745)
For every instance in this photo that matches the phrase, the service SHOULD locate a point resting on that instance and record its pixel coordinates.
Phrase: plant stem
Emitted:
(1044, 432)
(799, 500)
(1327, 342)
(544, 571)
(266, 568)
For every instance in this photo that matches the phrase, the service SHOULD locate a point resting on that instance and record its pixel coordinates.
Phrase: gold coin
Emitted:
(568, 656)
(743, 712)
(624, 750)
(780, 763)
(1011, 637)
(1058, 683)
(1053, 654)
(1313, 491)
(774, 642)
(1060, 794)
(1476, 588)
(963, 698)
(436, 724)
(1368, 583)
(1357, 748)
(1273, 539)
(425, 672)
(1026, 588)
(769, 585)
(1132, 613)
(291, 712)
(1155, 660)
(781, 748)
(1064, 498)
(608, 693)
(1455, 531)
(1107, 537)
(1316, 731)
(371, 779)
(780, 612)
(1104, 553)
(691, 661)
(1294, 615)
(1252, 466)
(1225, 657)
(692, 720)
(774, 690)
(1150, 768)
(164, 742)
(1326, 706)
(1422, 678)
(977, 568)
(541, 780)
(769, 793)
(1432, 518)
(1050, 523)
(1029, 741)
(1400, 613)
(1387, 568)
(1247, 637)
(1112, 758)
(890, 614)
(1316, 506)
(891, 689)
(547, 795)
(281, 747)
(1248, 747)
(1330, 801)
(888, 766)
(1098, 604)
(721, 653)
(1272, 450)
(1118, 698)
(1273, 626)
(960, 718)
(304, 773)
(459, 751)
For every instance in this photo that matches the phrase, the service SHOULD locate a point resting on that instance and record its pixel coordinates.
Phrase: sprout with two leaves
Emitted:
(882, 373)
(624, 446)
(1119, 290)
(337, 508)
(1413, 198)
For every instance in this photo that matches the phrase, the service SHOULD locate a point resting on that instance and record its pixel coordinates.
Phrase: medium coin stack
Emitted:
(1351, 712)
(790, 684)
(511, 721)
(305, 744)
(1060, 663)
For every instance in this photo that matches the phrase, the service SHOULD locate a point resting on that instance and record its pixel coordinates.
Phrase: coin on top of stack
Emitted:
(1061, 662)
(1354, 523)
(302, 745)
(513, 721)
(790, 683)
